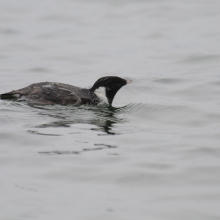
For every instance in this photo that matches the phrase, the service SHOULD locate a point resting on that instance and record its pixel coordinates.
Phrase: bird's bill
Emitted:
(128, 81)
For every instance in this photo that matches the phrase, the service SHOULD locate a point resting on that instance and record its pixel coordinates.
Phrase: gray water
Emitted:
(155, 154)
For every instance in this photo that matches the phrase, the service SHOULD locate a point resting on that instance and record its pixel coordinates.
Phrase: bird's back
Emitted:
(51, 93)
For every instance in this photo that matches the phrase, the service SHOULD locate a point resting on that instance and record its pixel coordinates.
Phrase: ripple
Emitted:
(198, 58)
(164, 113)
(170, 81)
(8, 31)
(38, 70)
(106, 117)
(60, 152)
(36, 132)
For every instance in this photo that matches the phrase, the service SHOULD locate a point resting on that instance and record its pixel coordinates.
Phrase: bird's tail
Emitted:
(10, 95)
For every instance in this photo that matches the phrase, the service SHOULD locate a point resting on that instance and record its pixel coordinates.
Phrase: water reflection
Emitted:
(103, 117)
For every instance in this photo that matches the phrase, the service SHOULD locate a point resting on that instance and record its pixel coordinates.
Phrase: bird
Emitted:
(102, 92)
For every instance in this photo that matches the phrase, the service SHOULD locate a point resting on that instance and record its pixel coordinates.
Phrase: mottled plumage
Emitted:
(64, 94)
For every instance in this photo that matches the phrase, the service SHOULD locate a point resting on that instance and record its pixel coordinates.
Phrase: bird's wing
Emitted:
(45, 93)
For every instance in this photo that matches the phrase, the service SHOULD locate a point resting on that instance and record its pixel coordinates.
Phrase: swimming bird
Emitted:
(103, 91)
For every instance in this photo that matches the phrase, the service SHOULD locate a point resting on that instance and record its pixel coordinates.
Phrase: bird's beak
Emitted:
(128, 81)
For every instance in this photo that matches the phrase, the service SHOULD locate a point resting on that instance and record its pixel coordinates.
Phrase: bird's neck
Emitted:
(105, 95)
(101, 94)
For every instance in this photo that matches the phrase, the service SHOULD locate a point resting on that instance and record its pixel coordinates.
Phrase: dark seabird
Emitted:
(103, 91)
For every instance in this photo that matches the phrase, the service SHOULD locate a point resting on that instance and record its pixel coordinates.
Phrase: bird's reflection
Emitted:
(103, 117)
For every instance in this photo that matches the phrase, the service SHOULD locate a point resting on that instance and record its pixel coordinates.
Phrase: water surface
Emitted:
(155, 153)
